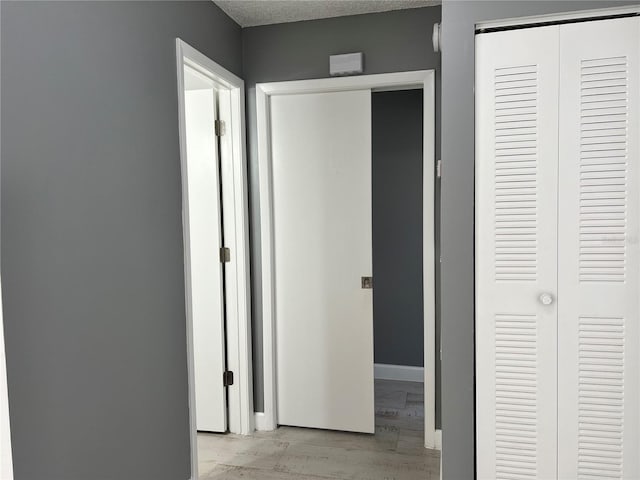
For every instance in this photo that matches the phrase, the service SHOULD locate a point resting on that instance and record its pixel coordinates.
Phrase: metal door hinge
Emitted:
(220, 127)
(367, 282)
(439, 169)
(227, 378)
(225, 255)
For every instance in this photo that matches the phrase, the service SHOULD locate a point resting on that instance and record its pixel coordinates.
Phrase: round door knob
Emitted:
(546, 299)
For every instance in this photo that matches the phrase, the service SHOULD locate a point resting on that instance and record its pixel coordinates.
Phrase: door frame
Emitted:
(425, 79)
(235, 225)
(6, 458)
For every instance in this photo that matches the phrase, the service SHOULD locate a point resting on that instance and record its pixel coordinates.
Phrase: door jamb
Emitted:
(422, 78)
(6, 460)
(235, 225)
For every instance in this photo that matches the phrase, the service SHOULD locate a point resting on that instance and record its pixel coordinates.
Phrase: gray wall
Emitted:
(457, 226)
(398, 308)
(92, 256)
(391, 42)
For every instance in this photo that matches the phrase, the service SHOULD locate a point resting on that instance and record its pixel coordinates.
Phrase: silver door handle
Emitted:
(546, 298)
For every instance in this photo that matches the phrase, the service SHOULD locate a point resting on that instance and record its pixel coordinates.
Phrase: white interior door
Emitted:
(203, 226)
(599, 250)
(321, 154)
(516, 252)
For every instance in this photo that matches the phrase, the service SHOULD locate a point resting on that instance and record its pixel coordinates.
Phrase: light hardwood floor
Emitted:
(395, 452)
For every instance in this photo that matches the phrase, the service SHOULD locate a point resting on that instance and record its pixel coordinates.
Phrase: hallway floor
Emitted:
(395, 452)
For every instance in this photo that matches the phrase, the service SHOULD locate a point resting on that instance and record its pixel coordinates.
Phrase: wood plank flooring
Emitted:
(395, 452)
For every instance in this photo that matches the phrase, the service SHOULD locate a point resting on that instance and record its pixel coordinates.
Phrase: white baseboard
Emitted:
(261, 422)
(405, 373)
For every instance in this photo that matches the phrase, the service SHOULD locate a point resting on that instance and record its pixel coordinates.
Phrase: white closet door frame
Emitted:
(235, 225)
(268, 420)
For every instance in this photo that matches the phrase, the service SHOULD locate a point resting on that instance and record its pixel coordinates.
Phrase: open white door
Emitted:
(204, 239)
(321, 154)
(6, 463)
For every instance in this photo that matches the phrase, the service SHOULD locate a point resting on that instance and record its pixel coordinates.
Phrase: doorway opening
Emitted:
(212, 157)
(398, 306)
(277, 159)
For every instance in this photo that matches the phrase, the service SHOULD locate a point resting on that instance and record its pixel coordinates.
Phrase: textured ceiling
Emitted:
(249, 13)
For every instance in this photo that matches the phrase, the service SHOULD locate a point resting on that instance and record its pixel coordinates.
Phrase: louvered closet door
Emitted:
(516, 245)
(599, 261)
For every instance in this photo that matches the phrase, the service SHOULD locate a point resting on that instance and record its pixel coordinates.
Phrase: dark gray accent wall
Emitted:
(92, 254)
(457, 207)
(391, 42)
(398, 307)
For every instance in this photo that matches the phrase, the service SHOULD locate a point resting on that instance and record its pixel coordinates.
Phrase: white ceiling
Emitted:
(249, 13)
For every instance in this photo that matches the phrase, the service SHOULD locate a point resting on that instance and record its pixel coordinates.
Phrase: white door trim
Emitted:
(424, 79)
(235, 219)
(6, 462)
(559, 17)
